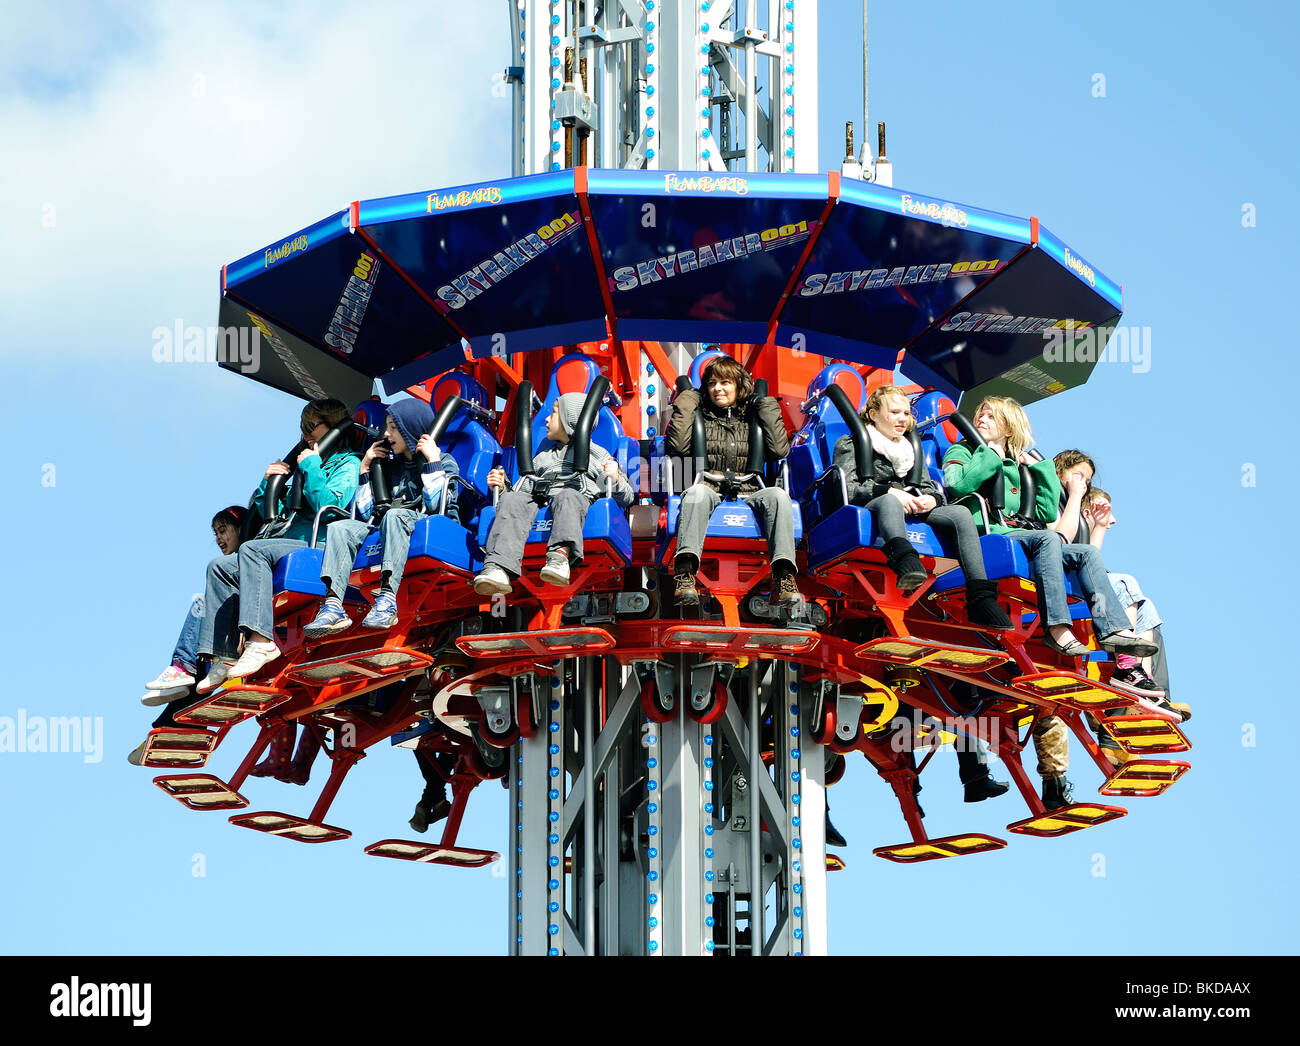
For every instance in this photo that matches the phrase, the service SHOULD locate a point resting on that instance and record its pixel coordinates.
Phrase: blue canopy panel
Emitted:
(508, 263)
(328, 289)
(701, 257)
(1034, 330)
(887, 264)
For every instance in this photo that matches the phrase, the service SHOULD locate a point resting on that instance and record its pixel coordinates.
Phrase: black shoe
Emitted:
(985, 788)
(1056, 793)
(420, 819)
(982, 607)
(431, 808)
(903, 561)
(1136, 681)
(833, 837)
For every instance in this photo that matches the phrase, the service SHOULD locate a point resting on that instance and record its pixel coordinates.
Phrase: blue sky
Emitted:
(148, 144)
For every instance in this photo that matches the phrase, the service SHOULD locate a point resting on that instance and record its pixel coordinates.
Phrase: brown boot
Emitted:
(784, 590)
(685, 593)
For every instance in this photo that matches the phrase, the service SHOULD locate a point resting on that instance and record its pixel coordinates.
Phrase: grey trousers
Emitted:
(771, 503)
(344, 538)
(952, 521)
(515, 514)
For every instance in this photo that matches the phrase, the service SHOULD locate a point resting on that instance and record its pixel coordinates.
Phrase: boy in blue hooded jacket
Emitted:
(422, 480)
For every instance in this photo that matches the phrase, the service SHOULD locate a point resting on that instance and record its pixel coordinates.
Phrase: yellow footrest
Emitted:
(1067, 819)
(1071, 689)
(1145, 735)
(933, 849)
(920, 653)
(1144, 777)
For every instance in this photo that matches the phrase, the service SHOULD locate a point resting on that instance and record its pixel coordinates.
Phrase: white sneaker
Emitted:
(555, 571)
(154, 696)
(492, 581)
(170, 679)
(218, 673)
(254, 658)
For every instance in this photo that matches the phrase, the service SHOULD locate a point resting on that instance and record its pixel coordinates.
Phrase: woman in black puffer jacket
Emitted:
(727, 410)
(897, 490)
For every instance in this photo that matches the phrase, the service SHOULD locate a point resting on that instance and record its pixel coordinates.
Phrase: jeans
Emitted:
(240, 595)
(953, 521)
(1050, 558)
(1130, 594)
(772, 504)
(515, 514)
(186, 653)
(344, 538)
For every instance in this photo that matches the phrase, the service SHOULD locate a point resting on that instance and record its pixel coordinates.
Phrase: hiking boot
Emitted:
(982, 607)
(431, 809)
(985, 788)
(904, 562)
(1056, 793)
(685, 594)
(785, 592)
(329, 619)
(383, 614)
(555, 571)
(492, 581)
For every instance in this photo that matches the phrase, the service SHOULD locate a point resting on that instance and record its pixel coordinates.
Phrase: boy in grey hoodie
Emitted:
(568, 494)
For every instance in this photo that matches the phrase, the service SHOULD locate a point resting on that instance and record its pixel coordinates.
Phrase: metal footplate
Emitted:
(287, 826)
(371, 664)
(1072, 690)
(171, 747)
(1144, 777)
(722, 641)
(553, 642)
(919, 653)
(1067, 819)
(933, 849)
(432, 853)
(201, 792)
(1145, 735)
(232, 704)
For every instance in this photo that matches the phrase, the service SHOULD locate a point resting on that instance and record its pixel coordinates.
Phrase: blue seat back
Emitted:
(468, 439)
(812, 448)
(574, 372)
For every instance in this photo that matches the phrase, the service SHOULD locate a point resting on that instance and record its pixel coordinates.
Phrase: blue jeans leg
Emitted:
(1085, 562)
(257, 560)
(396, 535)
(343, 539)
(1043, 547)
(219, 634)
(187, 643)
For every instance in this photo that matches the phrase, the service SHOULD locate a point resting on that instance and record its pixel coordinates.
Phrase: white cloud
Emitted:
(164, 140)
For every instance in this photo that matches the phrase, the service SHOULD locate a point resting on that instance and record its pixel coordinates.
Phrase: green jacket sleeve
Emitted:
(964, 472)
(1047, 487)
(331, 484)
(776, 441)
(682, 423)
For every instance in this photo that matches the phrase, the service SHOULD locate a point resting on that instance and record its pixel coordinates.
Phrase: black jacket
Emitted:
(867, 488)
